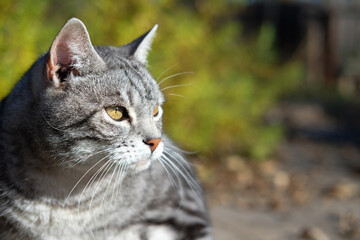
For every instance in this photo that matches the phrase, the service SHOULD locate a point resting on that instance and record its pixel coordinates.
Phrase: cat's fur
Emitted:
(69, 171)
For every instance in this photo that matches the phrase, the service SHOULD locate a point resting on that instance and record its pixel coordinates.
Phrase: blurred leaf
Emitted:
(233, 84)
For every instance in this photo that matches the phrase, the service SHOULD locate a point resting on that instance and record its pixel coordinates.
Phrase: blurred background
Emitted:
(264, 93)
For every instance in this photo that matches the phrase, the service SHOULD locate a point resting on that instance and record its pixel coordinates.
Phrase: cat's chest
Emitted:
(46, 220)
(88, 213)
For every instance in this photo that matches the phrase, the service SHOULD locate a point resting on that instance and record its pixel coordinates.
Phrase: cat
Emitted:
(82, 152)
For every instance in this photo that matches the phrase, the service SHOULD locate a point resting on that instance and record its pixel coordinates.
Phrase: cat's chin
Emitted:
(142, 165)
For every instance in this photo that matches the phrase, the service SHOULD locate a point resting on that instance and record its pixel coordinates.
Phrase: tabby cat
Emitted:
(82, 153)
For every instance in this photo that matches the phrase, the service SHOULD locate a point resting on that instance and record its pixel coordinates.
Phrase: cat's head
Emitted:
(101, 103)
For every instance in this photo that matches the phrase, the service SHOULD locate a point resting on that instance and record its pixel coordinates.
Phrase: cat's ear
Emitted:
(139, 48)
(72, 53)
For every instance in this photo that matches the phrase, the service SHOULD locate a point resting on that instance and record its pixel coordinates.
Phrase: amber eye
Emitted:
(117, 113)
(156, 111)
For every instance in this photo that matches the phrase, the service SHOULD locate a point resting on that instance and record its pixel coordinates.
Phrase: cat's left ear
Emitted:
(139, 48)
(72, 53)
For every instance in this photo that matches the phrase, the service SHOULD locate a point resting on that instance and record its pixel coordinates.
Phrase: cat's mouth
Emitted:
(146, 162)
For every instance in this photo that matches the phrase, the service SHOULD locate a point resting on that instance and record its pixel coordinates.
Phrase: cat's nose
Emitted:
(153, 143)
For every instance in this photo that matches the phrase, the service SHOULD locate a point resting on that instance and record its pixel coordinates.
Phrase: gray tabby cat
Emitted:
(82, 154)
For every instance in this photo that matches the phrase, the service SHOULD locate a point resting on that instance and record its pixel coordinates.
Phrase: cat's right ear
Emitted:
(139, 48)
(72, 53)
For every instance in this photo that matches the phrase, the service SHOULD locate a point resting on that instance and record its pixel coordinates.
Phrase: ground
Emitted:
(309, 190)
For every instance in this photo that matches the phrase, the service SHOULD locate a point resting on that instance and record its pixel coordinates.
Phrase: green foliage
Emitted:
(233, 83)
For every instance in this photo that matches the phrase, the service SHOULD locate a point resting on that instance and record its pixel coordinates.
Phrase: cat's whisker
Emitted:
(117, 170)
(102, 176)
(179, 185)
(176, 149)
(114, 187)
(80, 159)
(91, 233)
(180, 157)
(82, 177)
(176, 95)
(118, 181)
(65, 159)
(96, 175)
(175, 86)
(107, 187)
(186, 175)
(190, 182)
(48, 123)
(122, 173)
(177, 157)
(93, 177)
(166, 70)
(171, 179)
(174, 75)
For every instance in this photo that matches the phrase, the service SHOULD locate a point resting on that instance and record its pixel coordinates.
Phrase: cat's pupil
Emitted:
(123, 111)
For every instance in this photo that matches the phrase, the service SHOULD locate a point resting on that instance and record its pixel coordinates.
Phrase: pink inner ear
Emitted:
(60, 56)
(63, 55)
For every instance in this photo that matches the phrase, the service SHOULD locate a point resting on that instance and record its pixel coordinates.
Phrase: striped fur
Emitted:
(69, 171)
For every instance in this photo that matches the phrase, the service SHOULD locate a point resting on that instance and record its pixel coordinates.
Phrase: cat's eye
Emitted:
(156, 111)
(117, 113)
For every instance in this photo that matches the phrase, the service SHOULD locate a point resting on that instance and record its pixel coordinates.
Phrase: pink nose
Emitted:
(153, 143)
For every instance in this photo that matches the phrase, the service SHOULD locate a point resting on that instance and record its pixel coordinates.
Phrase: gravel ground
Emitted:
(311, 190)
(324, 217)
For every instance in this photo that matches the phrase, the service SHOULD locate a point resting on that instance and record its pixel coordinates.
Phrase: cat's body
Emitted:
(82, 154)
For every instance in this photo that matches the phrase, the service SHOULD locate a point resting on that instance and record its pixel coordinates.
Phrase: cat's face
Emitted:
(101, 105)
